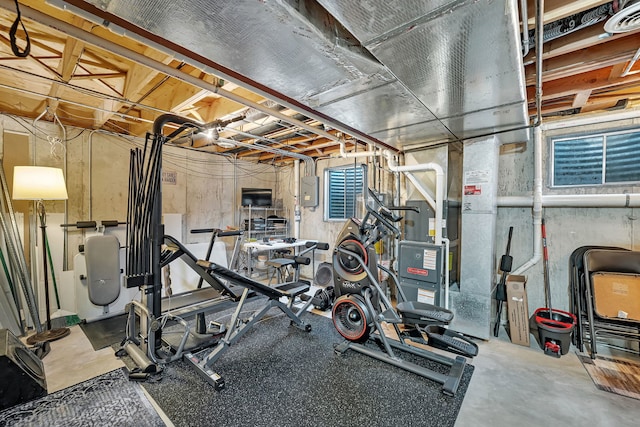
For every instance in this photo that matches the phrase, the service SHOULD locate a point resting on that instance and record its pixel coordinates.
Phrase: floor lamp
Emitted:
(41, 183)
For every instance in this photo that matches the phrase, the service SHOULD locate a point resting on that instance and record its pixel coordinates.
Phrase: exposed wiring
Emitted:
(80, 89)
(56, 147)
(208, 167)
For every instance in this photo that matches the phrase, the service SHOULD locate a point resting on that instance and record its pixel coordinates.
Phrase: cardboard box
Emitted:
(518, 310)
(616, 295)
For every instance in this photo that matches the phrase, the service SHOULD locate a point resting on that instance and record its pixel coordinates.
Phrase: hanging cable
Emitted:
(12, 35)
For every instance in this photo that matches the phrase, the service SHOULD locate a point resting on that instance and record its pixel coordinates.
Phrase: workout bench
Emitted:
(289, 291)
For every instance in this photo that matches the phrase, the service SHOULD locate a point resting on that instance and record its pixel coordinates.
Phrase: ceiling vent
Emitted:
(626, 17)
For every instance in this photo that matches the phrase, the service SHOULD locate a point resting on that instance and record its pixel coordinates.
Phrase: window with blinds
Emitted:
(342, 187)
(599, 159)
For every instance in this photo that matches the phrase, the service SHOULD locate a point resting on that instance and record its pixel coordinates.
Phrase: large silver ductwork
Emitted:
(403, 72)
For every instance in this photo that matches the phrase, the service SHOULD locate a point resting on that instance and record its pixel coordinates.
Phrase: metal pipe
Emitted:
(308, 161)
(525, 27)
(621, 200)
(16, 254)
(539, 47)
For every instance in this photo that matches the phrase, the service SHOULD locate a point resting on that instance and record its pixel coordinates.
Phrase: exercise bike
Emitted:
(362, 305)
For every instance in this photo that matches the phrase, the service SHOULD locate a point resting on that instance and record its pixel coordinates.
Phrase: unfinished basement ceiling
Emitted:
(302, 76)
(404, 72)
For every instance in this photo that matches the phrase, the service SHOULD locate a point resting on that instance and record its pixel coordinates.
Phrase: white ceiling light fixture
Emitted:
(225, 143)
(212, 134)
(626, 18)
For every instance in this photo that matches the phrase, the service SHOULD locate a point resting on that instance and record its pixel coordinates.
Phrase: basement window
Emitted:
(343, 186)
(597, 159)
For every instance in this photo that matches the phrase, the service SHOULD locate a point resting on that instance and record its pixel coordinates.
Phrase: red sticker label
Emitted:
(472, 190)
(418, 271)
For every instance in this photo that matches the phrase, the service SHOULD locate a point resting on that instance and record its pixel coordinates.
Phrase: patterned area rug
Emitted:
(108, 400)
(615, 376)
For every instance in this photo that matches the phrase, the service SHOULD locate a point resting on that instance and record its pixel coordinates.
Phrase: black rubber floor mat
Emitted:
(104, 333)
(278, 375)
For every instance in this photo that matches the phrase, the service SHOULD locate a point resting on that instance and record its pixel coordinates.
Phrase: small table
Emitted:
(274, 245)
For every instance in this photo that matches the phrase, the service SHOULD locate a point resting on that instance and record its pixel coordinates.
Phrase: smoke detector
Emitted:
(626, 18)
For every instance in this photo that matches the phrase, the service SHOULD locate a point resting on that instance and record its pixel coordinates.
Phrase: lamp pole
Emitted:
(49, 334)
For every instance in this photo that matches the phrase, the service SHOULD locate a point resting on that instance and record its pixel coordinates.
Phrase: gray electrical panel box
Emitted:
(309, 191)
(420, 271)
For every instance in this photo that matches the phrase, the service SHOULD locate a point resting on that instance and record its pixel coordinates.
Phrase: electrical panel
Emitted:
(309, 191)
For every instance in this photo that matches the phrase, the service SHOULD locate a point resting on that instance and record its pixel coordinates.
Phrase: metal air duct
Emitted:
(626, 17)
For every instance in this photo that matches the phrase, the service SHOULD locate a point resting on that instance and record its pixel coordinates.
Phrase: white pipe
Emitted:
(537, 203)
(296, 199)
(343, 152)
(446, 271)
(438, 204)
(628, 200)
(422, 189)
(90, 203)
(65, 246)
(537, 148)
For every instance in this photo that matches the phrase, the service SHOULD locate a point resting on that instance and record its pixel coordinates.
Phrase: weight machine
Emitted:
(362, 305)
(149, 250)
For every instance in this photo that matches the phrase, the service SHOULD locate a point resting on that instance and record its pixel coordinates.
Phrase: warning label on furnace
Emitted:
(476, 177)
(472, 190)
(429, 259)
(426, 296)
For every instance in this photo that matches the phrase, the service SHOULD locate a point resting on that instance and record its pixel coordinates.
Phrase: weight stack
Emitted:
(22, 375)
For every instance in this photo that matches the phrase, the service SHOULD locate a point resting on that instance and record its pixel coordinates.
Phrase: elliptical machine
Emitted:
(362, 305)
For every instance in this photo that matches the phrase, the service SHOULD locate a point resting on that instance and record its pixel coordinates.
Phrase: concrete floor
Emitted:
(515, 385)
(511, 385)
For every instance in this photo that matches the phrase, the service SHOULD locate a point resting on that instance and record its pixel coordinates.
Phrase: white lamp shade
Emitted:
(38, 183)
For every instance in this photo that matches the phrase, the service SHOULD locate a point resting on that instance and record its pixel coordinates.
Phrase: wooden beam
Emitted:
(569, 86)
(581, 98)
(599, 105)
(72, 51)
(98, 76)
(617, 70)
(137, 78)
(584, 60)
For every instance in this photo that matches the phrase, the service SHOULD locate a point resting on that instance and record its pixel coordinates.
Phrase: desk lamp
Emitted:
(41, 183)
